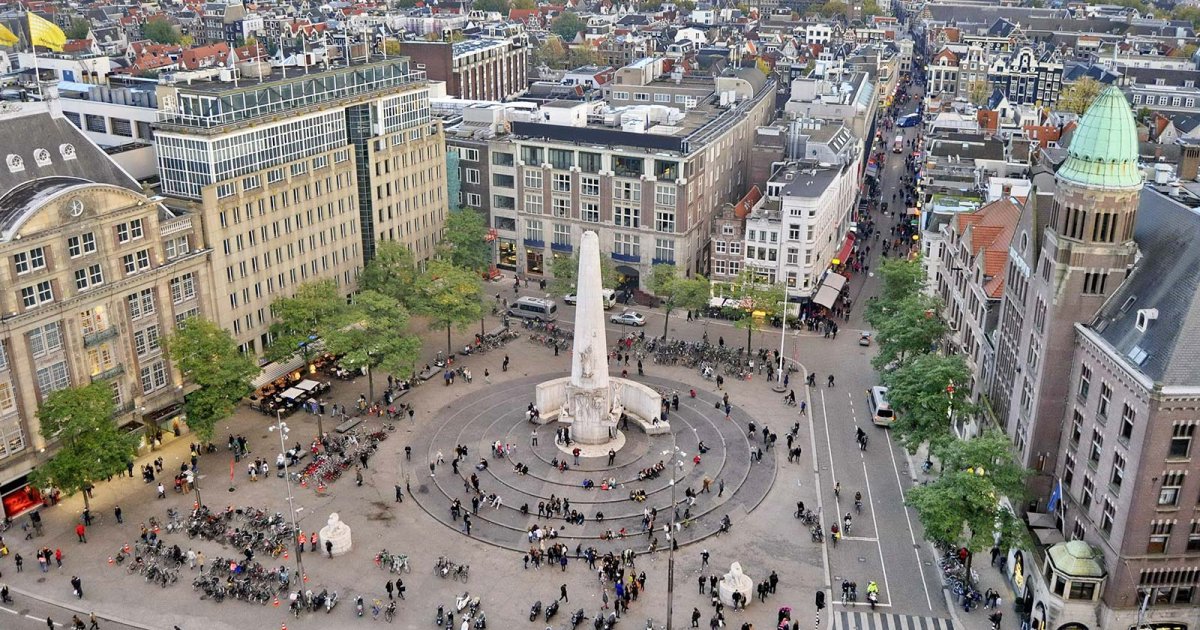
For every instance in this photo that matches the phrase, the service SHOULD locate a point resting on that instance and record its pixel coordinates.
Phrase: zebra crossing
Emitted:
(865, 620)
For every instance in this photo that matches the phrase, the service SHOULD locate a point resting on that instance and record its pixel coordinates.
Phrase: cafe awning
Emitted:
(830, 289)
(844, 252)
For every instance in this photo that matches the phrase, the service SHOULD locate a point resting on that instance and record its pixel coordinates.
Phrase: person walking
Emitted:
(77, 584)
(81, 532)
(562, 593)
(695, 617)
(19, 561)
(117, 513)
(95, 622)
(702, 580)
(399, 494)
(329, 548)
(487, 376)
(162, 492)
(400, 588)
(387, 585)
(58, 557)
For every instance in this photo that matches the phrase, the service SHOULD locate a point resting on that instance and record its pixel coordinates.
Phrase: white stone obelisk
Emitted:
(589, 398)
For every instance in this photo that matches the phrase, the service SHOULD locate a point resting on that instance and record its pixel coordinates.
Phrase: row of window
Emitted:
(1173, 101)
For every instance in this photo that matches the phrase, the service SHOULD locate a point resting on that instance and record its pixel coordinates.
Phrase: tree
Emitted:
(79, 29)
(208, 357)
(583, 55)
(524, 5)
(160, 31)
(91, 447)
(832, 8)
(978, 93)
(759, 302)
(449, 296)
(565, 269)
(392, 272)
(912, 327)
(405, 4)
(678, 292)
(300, 319)
(551, 53)
(567, 26)
(917, 390)
(1187, 51)
(871, 7)
(464, 243)
(371, 334)
(898, 279)
(499, 6)
(1078, 96)
(1187, 12)
(391, 47)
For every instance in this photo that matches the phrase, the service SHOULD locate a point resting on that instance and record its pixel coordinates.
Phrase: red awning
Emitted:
(844, 252)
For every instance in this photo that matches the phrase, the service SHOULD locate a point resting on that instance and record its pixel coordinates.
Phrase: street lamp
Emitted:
(782, 339)
(676, 464)
(281, 427)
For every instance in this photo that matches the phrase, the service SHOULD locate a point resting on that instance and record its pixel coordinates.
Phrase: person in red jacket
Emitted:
(81, 532)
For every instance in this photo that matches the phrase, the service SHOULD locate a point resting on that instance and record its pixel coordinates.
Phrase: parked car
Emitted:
(629, 318)
(864, 339)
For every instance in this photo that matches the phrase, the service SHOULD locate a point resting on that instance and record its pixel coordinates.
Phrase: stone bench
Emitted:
(349, 424)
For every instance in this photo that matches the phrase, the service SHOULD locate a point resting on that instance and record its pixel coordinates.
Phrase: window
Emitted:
(533, 203)
(251, 182)
(533, 231)
(141, 303)
(154, 377)
(297, 169)
(177, 247)
(186, 315)
(1085, 381)
(183, 288)
(627, 244)
(664, 220)
(719, 247)
(620, 96)
(561, 182)
(532, 156)
(95, 123)
(146, 341)
(591, 163)
(503, 159)
(1068, 469)
(665, 194)
(1128, 416)
(589, 186)
(641, 96)
(1082, 590)
(627, 191)
(662, 98)
(1097, 447)
(468, 155)
(562, 207)
(735, 249)
(1107, 516)
(471, 175)
(475, 200)
(589, 211)
(83, 244)
(1181, 441)
(562, 234)
(135, 262)
(624, 166)
(719, 268)
(504, 181)
(99, 360)
(1118, 472)
(627, 216)
(561, 158)
(129, 231)
(793, 232)
(53, 378)
(1193, 543)
(274, 175)
(1172, 484)
(533, 178)
(7, 402)
(31, 260)
(46, 339)
(1105, 398)
(319, 162)
(1160, 536)
(664, 250)
(793, 256)
(1076, 427)
(41, 293)
(91, 276)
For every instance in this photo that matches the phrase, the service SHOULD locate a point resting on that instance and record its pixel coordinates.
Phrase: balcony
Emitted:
(111, 372)
(99, 337)
(177, 225)
(629, 258)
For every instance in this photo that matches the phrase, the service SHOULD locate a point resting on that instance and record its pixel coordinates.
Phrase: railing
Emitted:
(177, 225)
(662, 261)
(99, 336)
(529, 242)
(111, 372)
(561, 247)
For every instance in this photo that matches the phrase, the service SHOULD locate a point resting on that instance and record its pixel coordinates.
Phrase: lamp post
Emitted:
(281, 427)
(677, 463)
(782, 339)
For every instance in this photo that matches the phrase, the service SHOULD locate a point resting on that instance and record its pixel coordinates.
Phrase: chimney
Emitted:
(1189, 162)
(49, 91)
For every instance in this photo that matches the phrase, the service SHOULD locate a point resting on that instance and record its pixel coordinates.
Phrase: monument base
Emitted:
(594, 450)
(642, 404)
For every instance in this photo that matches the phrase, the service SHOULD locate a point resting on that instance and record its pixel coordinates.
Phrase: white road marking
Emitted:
(875, 522)
(908, 519)
(812, 448)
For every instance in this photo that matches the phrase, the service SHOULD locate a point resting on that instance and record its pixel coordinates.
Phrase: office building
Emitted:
(487, 68)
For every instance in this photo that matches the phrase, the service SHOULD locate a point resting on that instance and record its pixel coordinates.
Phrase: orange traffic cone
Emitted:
(276, 604)
(110, 559)
(285, 555)
(305, 577)
(283, 626)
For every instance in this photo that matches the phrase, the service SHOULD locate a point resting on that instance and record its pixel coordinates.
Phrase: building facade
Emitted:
(96, 276)
(298, 177)
(484, 69)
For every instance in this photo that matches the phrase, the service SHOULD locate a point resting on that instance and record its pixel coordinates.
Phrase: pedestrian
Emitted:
(58, 557)
(702, 580)
(995, 554)
(773, 580)
(191, 558)
(720, 487)
(200, 561)
(50, 623)
(78, 586)
(399, 494)
(467, 524)
(604, 600)
(387, 585)
(533, 438)
(117, 513)
(329, 548)
(562, 593)
(400, 588)
(703, 559)
(95, 622)
(162, 492)
(81, 533)
(487, 377)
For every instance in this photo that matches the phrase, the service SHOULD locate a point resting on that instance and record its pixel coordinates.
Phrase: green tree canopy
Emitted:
(392, 272)
(1078, 96)
(757, 298)
(552, 53)
(917, 391)
(964, 508)
(91, 447)
(499, 6)
(463, 244)
(582, 56)
(79, 29)
(160, 31)
(302, 317)
(208, 357)
(565, 269)
(524, 4)
(449, 296)
(898, 279)
(676, 291)
(567, 25)
(871, 7)
(911, 327)
(832, 8)
(372, 333)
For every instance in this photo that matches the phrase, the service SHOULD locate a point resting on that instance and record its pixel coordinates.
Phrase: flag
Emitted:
(7, 38)
(1055, 496)
(44, 33)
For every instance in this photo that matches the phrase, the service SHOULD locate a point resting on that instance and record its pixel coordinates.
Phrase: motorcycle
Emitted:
(480, 622)
(610, 621)
(873, 597)
(818, 535)
(535, 610)
(551, 610)
(437, 621)
(465, 601)
(450, 620)
(576, 617)
(330, 602)
(358, 605)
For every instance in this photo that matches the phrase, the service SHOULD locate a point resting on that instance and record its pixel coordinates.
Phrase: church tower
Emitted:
(1086, 249)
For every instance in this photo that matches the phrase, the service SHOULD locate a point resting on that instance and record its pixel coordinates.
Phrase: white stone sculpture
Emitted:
(735, 582)
(588, 394)
(337, 533)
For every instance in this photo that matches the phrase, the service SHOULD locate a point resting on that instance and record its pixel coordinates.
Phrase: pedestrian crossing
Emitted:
(866, 620)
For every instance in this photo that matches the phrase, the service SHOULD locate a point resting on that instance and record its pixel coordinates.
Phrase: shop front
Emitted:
(18, 497)
(506, 253)
(534, 261)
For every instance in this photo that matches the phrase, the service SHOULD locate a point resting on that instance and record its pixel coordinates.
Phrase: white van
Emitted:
(881, 410)
(608, 298)
(534, 308)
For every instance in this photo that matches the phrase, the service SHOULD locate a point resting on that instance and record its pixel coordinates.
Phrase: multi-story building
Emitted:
(297, 176)
(96, 275)
(646, 177)
(1168, 99)
(489, 69)
(1027, 77)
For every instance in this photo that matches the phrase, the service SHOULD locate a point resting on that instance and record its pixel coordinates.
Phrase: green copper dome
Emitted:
(1104, 147)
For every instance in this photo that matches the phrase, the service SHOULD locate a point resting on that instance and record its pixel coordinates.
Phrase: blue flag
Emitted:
(1055, 496)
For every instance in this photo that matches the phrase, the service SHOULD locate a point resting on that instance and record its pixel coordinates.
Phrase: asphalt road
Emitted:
(29, 613)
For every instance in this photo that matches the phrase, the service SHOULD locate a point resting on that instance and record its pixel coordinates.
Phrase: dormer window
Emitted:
(1144, 317)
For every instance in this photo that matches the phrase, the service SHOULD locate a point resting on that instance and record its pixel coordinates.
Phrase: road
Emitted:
(29, 613)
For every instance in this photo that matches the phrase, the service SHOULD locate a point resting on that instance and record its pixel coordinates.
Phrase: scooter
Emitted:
(480, 622)
(462, 602)
(358, 605)
(450, 620)
(576, 617)
(330, 602)
(610, 622)
(873, 597)
(551, 610)
(437, 621)
(535, 610)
